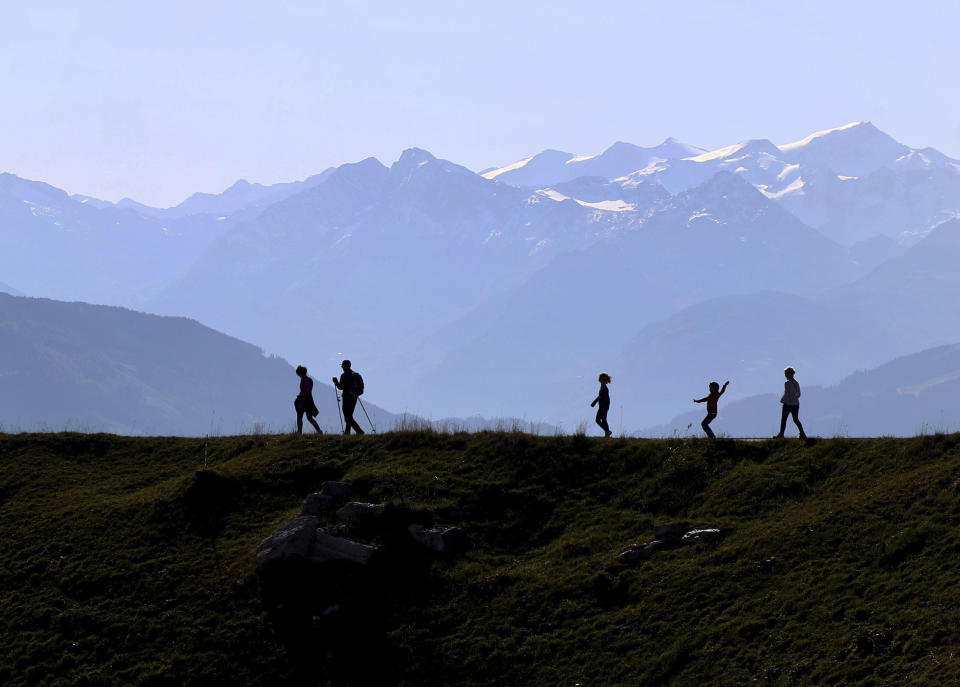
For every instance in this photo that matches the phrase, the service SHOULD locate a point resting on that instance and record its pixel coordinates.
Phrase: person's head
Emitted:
(788, 372)
(604, 378)
(714, 386)
(301, 370)
(345, 365)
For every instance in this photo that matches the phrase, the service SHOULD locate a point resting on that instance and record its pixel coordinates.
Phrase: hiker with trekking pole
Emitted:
(350, 385)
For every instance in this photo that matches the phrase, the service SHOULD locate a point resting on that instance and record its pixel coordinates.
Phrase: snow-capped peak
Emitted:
(866, 127)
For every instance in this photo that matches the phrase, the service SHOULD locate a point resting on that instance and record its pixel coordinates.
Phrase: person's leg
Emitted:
(300, 421)
(784, 412)
(706, 425)
(795, 411)
(313, 422)
(602, 421)
(349, 405)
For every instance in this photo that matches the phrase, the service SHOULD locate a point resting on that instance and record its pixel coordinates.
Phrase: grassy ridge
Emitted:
(118, 566)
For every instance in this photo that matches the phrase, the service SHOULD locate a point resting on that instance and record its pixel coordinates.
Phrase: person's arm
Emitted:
(336, 383)
(723, 388)
(595, 401)
(700, 400)
(796, 385)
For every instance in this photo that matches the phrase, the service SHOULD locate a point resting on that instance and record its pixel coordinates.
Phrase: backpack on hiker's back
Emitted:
(356, 384)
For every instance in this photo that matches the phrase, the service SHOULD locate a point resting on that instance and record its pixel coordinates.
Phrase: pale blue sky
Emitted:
(157, 100)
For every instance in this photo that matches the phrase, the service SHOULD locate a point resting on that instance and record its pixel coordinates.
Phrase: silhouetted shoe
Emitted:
(608, 434)
(778, 436)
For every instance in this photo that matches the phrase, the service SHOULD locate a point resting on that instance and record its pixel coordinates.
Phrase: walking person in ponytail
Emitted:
(791, 403)
(304, 404)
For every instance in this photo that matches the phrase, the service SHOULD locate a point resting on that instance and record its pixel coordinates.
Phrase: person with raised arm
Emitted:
(711, 399)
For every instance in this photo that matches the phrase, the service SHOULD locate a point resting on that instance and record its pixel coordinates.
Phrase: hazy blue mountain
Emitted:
(98, 368)
(644, 197)
(458, 294)
(899, 307)
(553, 167)
(572, 318)
(55, 246)
(6, 288)
(910, 395)
(900, 203)
(916, 288)
(857, 149)
(374, 259)
(748, 339)
(852, 182)
(240, 196)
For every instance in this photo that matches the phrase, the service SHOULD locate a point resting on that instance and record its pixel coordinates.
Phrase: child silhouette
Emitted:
(715, 393)
(603, 398)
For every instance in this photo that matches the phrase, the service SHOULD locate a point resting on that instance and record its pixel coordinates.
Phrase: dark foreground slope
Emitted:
(120, 565)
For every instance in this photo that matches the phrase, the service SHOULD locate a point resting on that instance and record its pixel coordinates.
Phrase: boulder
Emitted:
(697, 536)
(293, 541)
(328, 548)
(316, 504)
(671, 531)
(442, 539)
(355, 511)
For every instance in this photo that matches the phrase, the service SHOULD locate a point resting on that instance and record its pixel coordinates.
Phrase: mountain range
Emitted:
(505, 293)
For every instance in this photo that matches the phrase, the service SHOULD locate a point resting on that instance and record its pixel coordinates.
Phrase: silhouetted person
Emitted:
(603, 398)
(303, 403)
(715, 393)
(351, 386)
(791, 402)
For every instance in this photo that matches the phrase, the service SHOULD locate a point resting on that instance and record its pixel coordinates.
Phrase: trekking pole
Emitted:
(368, 417)
(339, 414)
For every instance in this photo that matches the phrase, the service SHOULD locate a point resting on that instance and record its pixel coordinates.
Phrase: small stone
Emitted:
(640, 552)
(631, 554)
(697, 536)
(329, 549)
(441, 539)
(315, 504)
(292, 541)
(355, 511)
(671, 531)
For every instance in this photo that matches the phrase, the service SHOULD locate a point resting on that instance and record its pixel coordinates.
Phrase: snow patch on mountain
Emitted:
(609, 205)
(494, 173)
(786, 147)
